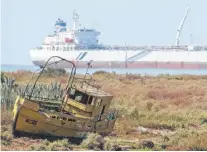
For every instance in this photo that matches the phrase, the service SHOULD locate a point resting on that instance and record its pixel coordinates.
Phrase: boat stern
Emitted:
(22, 108)
(17, 106)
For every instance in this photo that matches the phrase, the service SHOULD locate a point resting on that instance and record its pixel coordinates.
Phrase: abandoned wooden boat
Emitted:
(84, 108)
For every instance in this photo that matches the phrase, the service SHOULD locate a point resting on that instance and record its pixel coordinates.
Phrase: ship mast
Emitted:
(181, 26)
(75, 20)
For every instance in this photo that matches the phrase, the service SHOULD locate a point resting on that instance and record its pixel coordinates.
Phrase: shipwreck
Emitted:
(83, 107)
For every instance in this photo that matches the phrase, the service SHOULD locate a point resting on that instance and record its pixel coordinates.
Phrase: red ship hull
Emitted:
(159, 65)
(162, 65)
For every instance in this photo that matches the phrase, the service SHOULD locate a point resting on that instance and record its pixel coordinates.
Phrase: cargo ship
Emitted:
(81, 46)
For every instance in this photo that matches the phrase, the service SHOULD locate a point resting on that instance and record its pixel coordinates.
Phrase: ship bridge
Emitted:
(86, 37)
(60, 26)
(81, 37)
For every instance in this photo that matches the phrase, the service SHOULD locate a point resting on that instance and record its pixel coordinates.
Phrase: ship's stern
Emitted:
(17, 106)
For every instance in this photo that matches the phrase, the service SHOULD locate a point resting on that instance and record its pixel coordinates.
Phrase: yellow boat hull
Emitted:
(28, 118)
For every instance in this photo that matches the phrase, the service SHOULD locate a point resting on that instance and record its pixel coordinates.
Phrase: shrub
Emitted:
(133, 76)
(149, 105)
(136, 114)
(108, 146)
(93, 141)
(39, 147)
(46, 142)
(51, 72)
(146, 144)
(170, 127)
(51, 146)
(6, 136)
(3, 129)
(61, 143)
(100, 72)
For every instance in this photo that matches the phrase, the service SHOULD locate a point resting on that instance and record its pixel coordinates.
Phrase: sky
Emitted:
(25, 23)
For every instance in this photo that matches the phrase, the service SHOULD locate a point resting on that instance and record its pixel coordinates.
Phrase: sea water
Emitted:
(147, 71)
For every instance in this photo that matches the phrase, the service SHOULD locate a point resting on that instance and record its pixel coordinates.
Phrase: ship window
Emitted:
(90, 100)
(84, 98)
(71, 120)
(60, 48)
(64, 49)
(81, 97)
(78, 96)
(72, 93)
(57, 48)
(53, 117)
(67, 48)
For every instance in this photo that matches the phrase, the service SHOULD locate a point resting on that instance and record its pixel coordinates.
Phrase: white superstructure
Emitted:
(80, 45)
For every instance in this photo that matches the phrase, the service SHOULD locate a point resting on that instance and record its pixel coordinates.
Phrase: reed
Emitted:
(10, 90)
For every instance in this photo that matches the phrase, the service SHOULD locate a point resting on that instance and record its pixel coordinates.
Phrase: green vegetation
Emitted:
(9, 91)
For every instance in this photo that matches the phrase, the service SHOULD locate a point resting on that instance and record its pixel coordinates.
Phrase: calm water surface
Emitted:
(154, 72)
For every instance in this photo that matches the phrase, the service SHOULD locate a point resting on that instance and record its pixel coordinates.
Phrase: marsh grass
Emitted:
(197, 142)
(6, 125)
(93, 141)
(57, 145)
(165, 102)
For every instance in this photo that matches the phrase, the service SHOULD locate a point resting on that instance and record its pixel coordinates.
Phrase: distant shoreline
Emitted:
(152, 72)
(17, 65)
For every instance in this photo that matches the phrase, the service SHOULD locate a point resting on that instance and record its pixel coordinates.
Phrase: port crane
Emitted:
(181, 26)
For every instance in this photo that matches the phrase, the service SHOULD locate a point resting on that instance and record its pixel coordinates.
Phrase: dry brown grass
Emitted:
(197, 142)
(163, 103)
(6, 118)
(6, 121)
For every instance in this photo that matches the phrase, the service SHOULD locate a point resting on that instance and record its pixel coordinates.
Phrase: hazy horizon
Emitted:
(134, 22)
